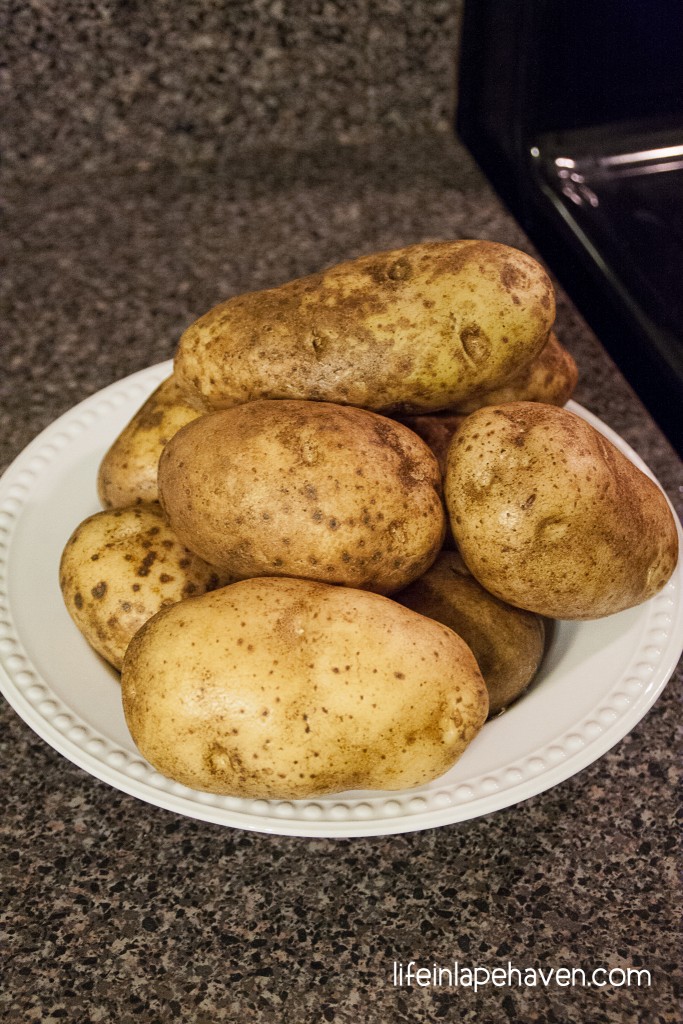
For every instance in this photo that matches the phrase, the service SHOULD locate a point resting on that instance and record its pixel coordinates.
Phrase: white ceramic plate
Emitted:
(597, 681)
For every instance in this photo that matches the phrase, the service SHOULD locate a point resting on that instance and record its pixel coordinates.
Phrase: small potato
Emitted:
(306, 489)
(551, 517)
(436, 430)
(507, 642)
(407, 331)
(119, 568)
(284, 688)
(550, 378)
(128, 472)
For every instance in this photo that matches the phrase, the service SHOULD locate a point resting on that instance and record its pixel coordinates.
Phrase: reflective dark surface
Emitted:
(575, 113)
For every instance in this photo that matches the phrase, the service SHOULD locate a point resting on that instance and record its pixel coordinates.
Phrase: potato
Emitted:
(307, 489)
(550, 378)
(411, 330)
(285, 688)
(128, 472)
(119, 568)
(436, 430)
(551, 517)
(507, 642)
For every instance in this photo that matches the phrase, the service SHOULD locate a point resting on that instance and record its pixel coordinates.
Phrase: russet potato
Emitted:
(507, 642)
(128, 472)
(549, 516)
(411, 330)
(436, 430)
(308, 489)
(285, 688)
(119, 567)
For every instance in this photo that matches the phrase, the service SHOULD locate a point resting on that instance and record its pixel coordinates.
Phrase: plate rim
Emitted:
(59, 726)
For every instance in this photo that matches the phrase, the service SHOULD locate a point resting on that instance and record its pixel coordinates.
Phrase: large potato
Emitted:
(284, 688)
(551, 517)
(550, 378)
(507, 642)
(128, 472)
(119, 568)
(411, 330)
(309, 489)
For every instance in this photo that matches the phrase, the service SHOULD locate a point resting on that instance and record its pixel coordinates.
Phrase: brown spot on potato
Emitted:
(147, 563)
(400, 270)
(99, 590)
(224, 763)
(512, 277)
(475, 343)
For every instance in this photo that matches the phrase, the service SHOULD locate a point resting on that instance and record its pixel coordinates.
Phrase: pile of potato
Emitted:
(332, 539)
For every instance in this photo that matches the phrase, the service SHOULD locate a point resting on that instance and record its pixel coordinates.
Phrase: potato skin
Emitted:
(549, 378)
(284, 688)
(119, 567)
(306, 489)
(436, 430)
(507, 642)
(551, 517)
(410, 330)
(128, 472)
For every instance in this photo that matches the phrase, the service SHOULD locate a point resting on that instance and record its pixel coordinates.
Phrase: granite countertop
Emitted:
(116, 910)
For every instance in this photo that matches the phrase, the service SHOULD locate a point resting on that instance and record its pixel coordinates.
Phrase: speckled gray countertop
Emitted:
(114, 910)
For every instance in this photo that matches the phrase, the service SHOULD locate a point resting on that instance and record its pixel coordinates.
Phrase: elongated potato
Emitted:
(128, 472)
(119, 567)
(549, 516)
(411, 330)
(550, 378)
(507, 642)
(284, 688)
(309, 489)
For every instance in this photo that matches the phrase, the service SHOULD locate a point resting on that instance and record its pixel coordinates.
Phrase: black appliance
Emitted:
(574, 111)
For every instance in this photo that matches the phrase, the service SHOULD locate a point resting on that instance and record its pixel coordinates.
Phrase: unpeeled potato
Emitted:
(507, 642)
(407, 331)
(284, 688)
(119, 567)
(549, 516)
(436, 430)
(128, 472)
(306, 489)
